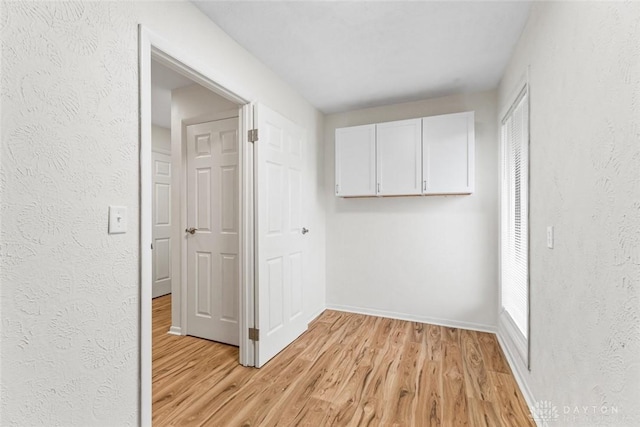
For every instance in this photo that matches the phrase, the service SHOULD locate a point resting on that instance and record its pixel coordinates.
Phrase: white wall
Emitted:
(432, 258)
(160, 104)
(69, 293)
(584, 64)
(193, 101)
(161, 139)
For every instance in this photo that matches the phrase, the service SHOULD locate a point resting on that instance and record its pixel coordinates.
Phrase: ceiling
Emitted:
(348, 55)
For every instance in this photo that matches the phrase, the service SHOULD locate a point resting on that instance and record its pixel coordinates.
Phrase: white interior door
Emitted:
(279, 233)
(213, 242)
(161, 229)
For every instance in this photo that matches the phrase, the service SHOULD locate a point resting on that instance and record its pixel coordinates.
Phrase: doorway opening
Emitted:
(268, 255)
(195, 155)
(196, 205)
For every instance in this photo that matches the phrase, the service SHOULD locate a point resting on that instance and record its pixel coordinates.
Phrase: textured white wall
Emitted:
(584, 63)
(427, 258)
(69, 294)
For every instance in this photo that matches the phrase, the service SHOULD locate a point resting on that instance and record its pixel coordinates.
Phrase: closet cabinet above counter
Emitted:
(425, 156)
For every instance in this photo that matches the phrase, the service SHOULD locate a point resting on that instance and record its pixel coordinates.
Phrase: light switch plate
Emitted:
(550, 237)
(117, 219)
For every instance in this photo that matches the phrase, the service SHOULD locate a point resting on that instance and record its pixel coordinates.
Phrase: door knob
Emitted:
(305, 230)
(191, 230)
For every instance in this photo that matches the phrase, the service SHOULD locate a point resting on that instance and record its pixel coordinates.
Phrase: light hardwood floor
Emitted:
(346, 370)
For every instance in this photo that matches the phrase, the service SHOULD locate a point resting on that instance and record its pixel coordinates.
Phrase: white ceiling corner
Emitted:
(347, 55)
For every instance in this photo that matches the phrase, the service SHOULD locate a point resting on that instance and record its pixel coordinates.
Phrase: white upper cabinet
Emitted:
(448, 144)
(426, 156)
(399, 148)
(356, 161)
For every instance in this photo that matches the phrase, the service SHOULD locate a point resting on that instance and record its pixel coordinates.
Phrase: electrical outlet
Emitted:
(550, 236)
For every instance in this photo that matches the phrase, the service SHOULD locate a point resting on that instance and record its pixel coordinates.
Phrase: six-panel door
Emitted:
(212, 248)
(279, 171)
(161, 224)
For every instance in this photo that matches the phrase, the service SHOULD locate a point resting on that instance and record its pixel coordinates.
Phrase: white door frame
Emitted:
(153, 46)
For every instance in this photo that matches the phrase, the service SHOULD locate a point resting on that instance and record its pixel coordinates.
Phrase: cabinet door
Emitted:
(448, 145)
(356, 161)
(399, 147)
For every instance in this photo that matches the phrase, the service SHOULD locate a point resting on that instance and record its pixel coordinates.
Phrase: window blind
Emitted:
(515, 214)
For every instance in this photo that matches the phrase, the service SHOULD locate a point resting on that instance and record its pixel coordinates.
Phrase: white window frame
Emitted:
(511, 331)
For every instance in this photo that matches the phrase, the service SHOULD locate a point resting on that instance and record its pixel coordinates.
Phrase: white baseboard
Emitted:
(175, 330)
(516, 365)
(315, 315)
(413, 318)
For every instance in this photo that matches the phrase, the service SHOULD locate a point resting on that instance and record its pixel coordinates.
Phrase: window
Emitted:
(514, 251)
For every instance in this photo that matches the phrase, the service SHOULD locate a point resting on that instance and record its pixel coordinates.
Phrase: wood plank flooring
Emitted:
(346, 370)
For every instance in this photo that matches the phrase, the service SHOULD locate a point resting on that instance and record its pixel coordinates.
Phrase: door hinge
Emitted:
(254, 334)
(252, 135)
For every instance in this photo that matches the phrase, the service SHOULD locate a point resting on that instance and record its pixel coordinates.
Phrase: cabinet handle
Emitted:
(378, 187)
(337, 188)
(424, 185)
